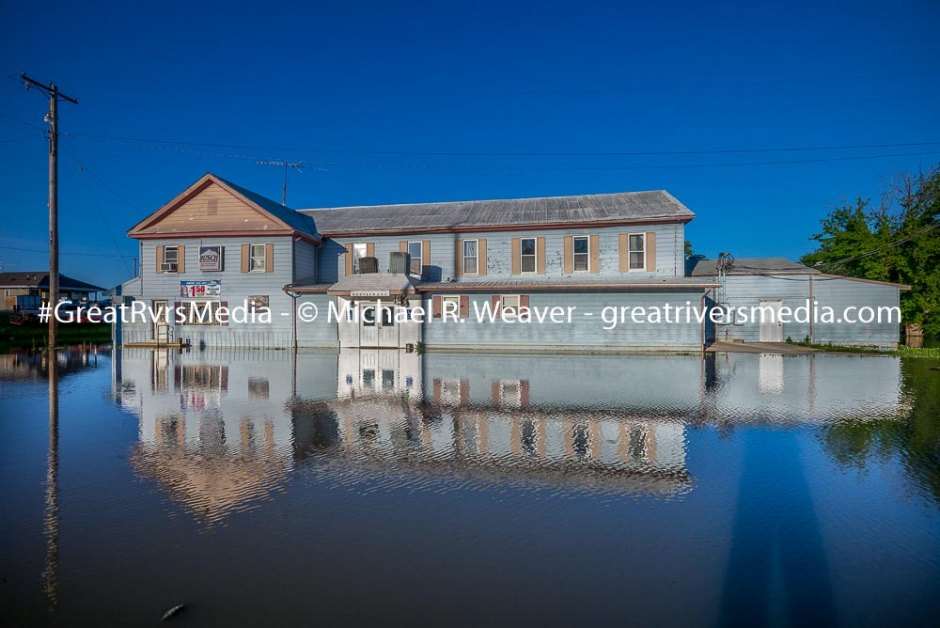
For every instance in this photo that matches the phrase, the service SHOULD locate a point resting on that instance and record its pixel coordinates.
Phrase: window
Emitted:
(388, 316)
(470, 257)
(510, 394)
(171, 259)
(450, 392)
(359, 250)
(368, 316)
(509, 304)
(201, 312)
(581, 257)
(637, 247)
(256, 258)
(414, 250)
(528, 255)
(451, 305)
(258, 303)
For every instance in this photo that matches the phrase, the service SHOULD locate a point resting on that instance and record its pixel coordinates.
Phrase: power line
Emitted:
(75, 254)
(416, 153)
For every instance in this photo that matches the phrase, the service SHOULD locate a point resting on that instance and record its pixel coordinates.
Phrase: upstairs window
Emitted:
(414, 250)
(171, 259)
(359, 250)
(637, 244)
(256, 261)
(470, 257)
(527, 250)
(581, 257)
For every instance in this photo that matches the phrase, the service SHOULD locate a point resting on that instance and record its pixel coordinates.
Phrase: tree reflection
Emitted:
(914, 440)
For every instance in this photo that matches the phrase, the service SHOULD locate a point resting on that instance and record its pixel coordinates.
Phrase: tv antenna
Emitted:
(297, 166)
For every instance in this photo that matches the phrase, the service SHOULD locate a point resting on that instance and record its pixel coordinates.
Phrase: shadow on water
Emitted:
(775, 532)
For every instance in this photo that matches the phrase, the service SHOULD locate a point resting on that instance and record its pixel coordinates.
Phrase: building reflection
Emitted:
(221, 430)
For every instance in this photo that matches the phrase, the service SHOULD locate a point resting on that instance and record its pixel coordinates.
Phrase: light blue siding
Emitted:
(236, 288)
(584, 332)
(746, 291)
(670, 257)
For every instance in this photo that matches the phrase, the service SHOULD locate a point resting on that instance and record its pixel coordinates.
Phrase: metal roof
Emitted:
(40, 279)
(588, 208)
(753, 266)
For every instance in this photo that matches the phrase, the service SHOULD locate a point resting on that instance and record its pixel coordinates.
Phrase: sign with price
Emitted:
(197, 289)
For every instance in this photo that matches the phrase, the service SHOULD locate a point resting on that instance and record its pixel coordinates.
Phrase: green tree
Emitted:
(897, 241)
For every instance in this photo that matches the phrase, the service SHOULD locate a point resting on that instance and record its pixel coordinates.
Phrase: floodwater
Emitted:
(380, 487)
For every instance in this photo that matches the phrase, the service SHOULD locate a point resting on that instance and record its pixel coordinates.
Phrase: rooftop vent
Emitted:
(399, 262)
(368, 265)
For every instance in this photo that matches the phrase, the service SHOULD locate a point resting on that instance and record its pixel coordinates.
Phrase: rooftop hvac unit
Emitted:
(399, 263)
(368, 265)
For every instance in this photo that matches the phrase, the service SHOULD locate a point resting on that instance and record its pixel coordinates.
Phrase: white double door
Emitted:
(377, 326)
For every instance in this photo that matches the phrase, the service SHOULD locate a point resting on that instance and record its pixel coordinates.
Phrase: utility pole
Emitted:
(52, 118)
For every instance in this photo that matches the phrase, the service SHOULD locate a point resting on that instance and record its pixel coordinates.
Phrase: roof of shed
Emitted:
(753, 266)
(588, 208)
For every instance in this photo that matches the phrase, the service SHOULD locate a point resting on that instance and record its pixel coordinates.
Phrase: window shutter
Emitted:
(651, 251)
(181, 256)
(159, 258)
(269, 258)
(425, 253)
(436, 306)
(436, 388)
(494, 392)
(516, 255)
(403, 246)
(349, 259)
(623, 252)
(464, 306)
(464, 392)
(495, 301)
(458, 258)
(524, 393)
(540, 255)
(370, 249)
(246, 261)
(595, 254)
(481, 256)
(523, 301)
(568, 263)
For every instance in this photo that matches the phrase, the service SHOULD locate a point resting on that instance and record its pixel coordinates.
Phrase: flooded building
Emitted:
(588, 273)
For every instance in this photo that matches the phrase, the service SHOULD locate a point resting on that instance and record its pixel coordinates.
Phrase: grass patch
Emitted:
(35, 335)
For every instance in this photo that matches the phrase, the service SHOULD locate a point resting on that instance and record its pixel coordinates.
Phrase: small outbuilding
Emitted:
(772, 299)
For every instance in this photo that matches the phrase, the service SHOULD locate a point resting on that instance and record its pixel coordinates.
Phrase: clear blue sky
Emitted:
(353, 85)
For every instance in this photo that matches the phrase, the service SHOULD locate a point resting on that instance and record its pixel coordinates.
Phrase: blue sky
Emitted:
(368, 95)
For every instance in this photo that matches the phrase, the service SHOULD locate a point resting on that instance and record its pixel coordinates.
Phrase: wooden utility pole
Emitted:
(52, 118)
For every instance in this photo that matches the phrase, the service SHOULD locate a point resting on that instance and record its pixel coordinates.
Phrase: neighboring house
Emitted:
(774, 283)
(36, 284)
(219, 244)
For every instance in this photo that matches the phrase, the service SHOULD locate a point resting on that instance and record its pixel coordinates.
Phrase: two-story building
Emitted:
(455, 275)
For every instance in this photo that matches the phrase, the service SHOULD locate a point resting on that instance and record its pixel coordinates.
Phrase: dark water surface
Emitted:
(390, 488)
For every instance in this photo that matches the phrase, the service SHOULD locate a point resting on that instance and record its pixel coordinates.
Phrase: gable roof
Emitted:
(40, 279)
(588, 209)
(288, 220)
(753, 266)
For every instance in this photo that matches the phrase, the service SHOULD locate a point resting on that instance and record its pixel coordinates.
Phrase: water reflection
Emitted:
(220, 430)
(34, 365)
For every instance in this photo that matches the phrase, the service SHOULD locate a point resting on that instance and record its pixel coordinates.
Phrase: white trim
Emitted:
(463, 256)
(630, 268)
(535, 266)
(251, 258)
(420, 258)
(574, 270)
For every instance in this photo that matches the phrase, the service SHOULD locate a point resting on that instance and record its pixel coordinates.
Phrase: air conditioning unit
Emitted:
(399, 263)
(168, 267)
(368, 265)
